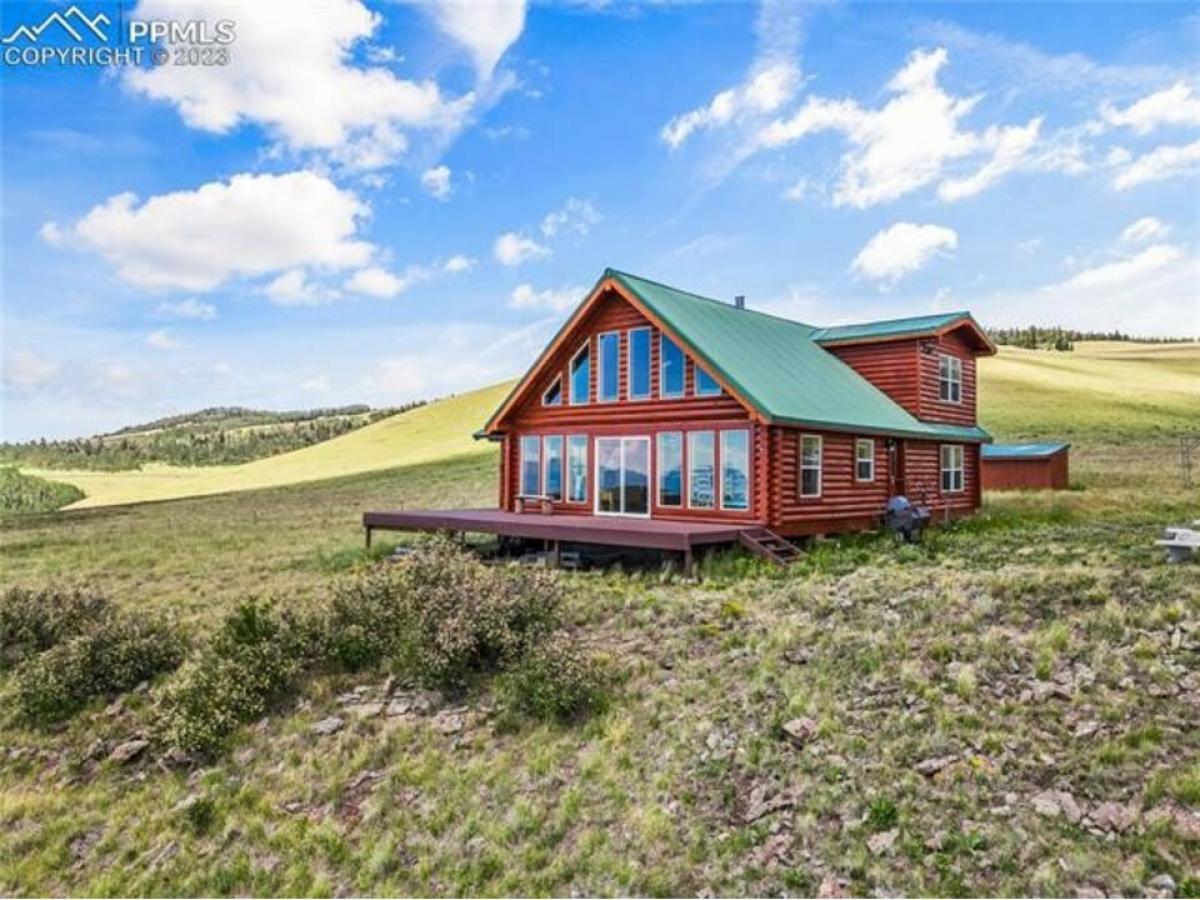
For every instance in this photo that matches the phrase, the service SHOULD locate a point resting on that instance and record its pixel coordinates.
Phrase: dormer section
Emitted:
(926, 364)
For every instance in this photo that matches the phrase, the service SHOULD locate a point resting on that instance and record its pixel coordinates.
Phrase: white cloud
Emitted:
(293, 75)
(1124, 272)
(1159, 164)
(575, 217)
(512, 249)
(190, 308)
(550, 300)
(901, 249)
(247, 226)
(379, 282)
(437, 181)
(1176, 105)
(912, 141)
(292, 288)
(27, 370)
(762, 92)
(486, 30)
(163, 340)
(460, 262)
(1146, 229)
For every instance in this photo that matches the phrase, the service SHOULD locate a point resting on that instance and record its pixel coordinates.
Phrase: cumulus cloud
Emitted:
(190, 308)
(163, 340)
(437, 181)
(27, 370)
(250, 225)
(512, 249)
(1176, 105)
(486, 30)
(292, 288)
(902, 249)
(556, 300)
(575, 217)
(1146, 229)
(1125, 272)
(379, 282)
(459, 262)
(1159, 164)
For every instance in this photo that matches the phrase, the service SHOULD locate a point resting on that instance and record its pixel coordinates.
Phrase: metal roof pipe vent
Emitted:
(739, 302)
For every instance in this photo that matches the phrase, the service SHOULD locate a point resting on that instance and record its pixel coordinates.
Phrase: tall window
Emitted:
(864, 460)
(553, 450)
(735, 469)
(639, 363)
(950, 379)
(670, 468)
(609, 348)
(701, 470)
(670, 368)
(706, 385)
(553, 395)
(952, 468)
(531, 465)
(581, 376)
(577, 469)
(810, 465)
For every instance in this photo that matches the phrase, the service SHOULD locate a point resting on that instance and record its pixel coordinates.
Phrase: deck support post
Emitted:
(368, 530)
(556, 553)
(687, 563)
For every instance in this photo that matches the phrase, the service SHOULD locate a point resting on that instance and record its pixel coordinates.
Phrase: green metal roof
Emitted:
(889, 327)
(776, 365)
(1022, 451)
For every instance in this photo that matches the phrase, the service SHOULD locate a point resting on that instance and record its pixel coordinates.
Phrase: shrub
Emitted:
(245, 668)
(113, 654)
(32, 621)
(364, 620)
(555, 680)
(22, 494)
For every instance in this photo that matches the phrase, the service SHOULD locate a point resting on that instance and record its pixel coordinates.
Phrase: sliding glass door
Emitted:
(623, 476)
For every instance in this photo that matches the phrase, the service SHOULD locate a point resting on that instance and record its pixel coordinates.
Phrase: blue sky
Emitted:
(377, 201)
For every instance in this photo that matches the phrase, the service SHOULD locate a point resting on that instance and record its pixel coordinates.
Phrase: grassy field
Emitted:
(1009, 709)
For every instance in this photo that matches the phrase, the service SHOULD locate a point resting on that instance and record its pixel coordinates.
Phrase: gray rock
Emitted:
(933, 765)
(800, 731)
(1110, 816)
(128, 751)
(882, 842)
(331, 725)
(1161, 886)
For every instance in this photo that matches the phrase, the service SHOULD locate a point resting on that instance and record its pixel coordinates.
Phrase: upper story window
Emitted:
(950, 379)
(639, 363)
(609, 352)
(952, 468)
(553, 395)
(706, 385)
(864, 460)
(670, 368)
(810, 465)
(581, 376)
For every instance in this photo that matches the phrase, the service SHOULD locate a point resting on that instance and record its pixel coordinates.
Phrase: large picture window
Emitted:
(735, 469)
(950, 379)
(670, 468)
(639, 363)
(952, 468)
(810, 465)
(706, 385)
(864, 460)
(609, 351)
(670, 368)
(577, 468)
(531, 465)
(581, 376)
(702, 470)
(552, 447)
(623, 476)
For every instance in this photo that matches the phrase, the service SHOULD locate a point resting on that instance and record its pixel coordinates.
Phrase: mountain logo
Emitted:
(74, 21)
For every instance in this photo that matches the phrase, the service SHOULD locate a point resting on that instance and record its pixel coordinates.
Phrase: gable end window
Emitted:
(581, 376)
(706, 385)
(670, 368)
(553, 395)
(810, 465)
(952, 468)
(608, 352)
(639, 363)
(950, 379)
(864, 460)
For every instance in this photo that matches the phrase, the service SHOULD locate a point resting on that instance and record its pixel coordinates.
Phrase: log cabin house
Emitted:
(659, 418)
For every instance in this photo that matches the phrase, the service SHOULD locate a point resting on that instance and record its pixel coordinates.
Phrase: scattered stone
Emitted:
(295, 807)
(364, 777)
(1111, 816)
(936, 841)
(933, 765)
(115, 708)
(1051, 803)
(97, 749)
(760, 805)
(328, 726)
(365, 710)
(128, 751)
(1086, 729)
(801, 731)
(176, 758)
(450, 721)
(1090, 892)
(81, 844)
(1161, 886)
(797, 656)
(1185, 823)
(882, 842)
(776, 851)
(834, 886)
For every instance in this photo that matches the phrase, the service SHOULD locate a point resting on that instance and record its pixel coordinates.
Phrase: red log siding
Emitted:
(891, 366)
(1050, 473)
(931, 407)
(923, 477)
(844, 502)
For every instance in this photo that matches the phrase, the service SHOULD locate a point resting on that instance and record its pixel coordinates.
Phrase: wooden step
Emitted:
(767, 544)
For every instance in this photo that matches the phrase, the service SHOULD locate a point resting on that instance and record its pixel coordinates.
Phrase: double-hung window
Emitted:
(581, 376)
(735, 469)
(531, 465)
(670, 368)
(552, 450)
(639, 363)
(670, 468)
(864, 460)
(810, 465)
(952, 468)
(609, 350)
(702, 470)
(950, 379)
(577, 468)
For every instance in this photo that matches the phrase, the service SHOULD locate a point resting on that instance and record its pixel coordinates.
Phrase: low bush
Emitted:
(112, 654)
(556, 680)
(23, 494)
(32, 621)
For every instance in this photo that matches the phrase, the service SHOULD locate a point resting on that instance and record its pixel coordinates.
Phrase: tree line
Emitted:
(1038, 337)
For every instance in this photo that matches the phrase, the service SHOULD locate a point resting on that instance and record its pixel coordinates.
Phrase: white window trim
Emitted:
(571, 401)
(557, 380)
(749, 471)
(522, 487)
(567, 468)
(662, 369)
(961, 468)
(562, 480)
(649, 395)
(858, 442)
(696, 369)
(658, 469)
(819, 469)
(616, 398)
(954, 373)
(688, 464)
(651, 474)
